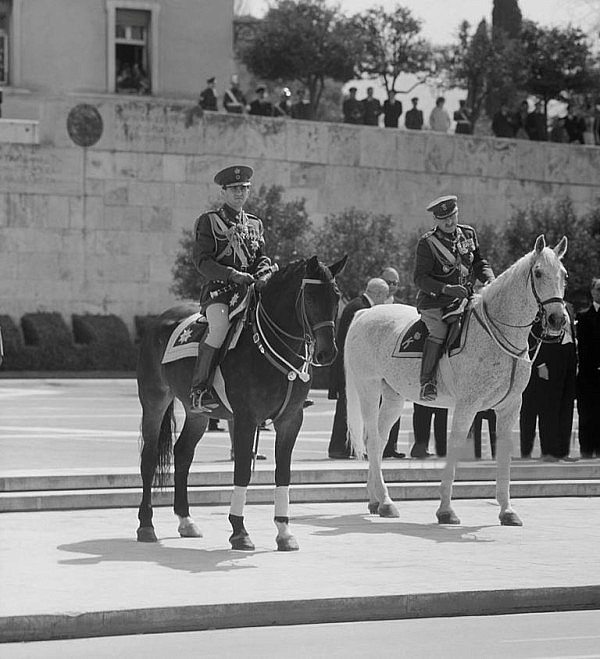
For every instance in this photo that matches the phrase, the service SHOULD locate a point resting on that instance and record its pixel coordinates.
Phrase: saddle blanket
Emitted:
(411, 341)
(185, 338)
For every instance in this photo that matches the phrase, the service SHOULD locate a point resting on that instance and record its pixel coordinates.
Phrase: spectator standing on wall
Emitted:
(352, 108)
(502, 123)
(371, 108)
(234, 100)
(462, 116)
(261, 106)
(574, 125)
(588, 377)
(439, 119)
(208, 96)
(377, 292)
(413, 119)
(521, 120)
(536, 124)
(392, 109)
(558, 132)
(284, 107)
(302, 108)
(596, 125)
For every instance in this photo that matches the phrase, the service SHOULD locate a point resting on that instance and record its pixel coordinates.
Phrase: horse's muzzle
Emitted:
(325, 356)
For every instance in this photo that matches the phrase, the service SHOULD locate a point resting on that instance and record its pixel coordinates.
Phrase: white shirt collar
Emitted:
(596, 305)
(370, 300)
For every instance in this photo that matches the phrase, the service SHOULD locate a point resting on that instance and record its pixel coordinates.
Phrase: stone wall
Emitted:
(96, 230)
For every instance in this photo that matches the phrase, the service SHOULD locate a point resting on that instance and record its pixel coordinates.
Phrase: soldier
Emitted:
(208, 96)
(447, 263)
(228, 254)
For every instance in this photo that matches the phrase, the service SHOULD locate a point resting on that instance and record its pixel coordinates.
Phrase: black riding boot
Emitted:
(431, 356)
(203, 375)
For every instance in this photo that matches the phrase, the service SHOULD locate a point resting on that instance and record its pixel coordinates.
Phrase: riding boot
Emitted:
(203, 375)
(431, 356)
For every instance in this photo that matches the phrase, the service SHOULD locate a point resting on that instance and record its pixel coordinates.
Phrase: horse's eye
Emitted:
(538, 274)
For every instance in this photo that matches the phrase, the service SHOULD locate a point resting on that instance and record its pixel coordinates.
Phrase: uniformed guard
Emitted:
(228, 254)
(447, 263)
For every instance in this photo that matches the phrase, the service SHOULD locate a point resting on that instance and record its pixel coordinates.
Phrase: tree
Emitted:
(558, 62)
(391, 46)
(368, 238)
(555, 219)
(288, 233)
(506, 18)
(305, 41)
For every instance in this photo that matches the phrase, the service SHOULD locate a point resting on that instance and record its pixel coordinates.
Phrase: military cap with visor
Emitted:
(234, 175)
(444, 207)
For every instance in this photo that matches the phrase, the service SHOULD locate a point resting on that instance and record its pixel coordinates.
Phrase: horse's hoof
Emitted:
(146, 534)
(288, 543)
(510, 518)
(388, 510)
(373, 507)
(189, 530)
(241, 542)
(447, 517)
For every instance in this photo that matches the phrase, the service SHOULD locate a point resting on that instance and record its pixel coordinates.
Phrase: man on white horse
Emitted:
(447, 263)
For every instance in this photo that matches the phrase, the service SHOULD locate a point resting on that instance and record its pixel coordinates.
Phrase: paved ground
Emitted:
(80, 573)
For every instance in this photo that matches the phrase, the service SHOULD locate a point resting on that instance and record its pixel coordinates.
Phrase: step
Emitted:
(210, 475)
(302, 493)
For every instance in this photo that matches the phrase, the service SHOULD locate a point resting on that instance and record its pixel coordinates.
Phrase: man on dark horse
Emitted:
(228, 254)
(447, 263)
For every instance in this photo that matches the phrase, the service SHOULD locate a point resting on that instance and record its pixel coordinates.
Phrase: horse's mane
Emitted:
(525, 261)
(294, 270)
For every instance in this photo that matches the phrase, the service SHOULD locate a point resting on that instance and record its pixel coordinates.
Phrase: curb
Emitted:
(296, 612)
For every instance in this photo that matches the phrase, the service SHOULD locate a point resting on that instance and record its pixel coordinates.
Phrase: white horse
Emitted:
(491, 371)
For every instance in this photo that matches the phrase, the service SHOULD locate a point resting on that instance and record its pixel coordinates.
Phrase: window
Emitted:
(132, 47)
(5, 8)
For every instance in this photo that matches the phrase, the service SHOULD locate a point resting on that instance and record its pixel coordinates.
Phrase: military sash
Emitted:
(235, 242)
(448, 260)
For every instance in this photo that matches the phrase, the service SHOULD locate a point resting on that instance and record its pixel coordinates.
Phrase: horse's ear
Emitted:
(337, 267)
(312, 264)
(540, 243)
(561, 248)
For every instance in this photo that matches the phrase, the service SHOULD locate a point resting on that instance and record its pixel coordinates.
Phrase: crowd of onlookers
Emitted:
(576, 125)
(235, 101)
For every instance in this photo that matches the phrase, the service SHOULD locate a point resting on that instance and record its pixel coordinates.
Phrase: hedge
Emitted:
(45, 343)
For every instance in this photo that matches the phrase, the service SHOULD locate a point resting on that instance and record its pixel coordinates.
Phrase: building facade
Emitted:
(162, 48)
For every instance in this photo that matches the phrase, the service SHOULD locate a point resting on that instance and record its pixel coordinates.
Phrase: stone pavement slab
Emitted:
(82, 573)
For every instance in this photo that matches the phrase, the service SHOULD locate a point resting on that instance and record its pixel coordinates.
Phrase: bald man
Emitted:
(377, 292)
(391, 277)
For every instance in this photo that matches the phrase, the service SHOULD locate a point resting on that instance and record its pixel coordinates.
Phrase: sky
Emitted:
(440, 22)
(441, 18)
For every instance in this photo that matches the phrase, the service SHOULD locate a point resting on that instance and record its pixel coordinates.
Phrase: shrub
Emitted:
(17, 356)
(50, 334)
(107, 340)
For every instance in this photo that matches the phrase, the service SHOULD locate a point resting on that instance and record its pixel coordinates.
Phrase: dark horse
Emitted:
(266, 377)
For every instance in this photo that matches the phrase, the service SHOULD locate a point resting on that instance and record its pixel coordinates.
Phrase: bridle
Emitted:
(262, 322)
(487, 322)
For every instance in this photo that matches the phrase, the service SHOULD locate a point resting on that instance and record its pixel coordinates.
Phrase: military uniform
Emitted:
(227, 241)
(228, 254)
(446, 266)
(434, 267)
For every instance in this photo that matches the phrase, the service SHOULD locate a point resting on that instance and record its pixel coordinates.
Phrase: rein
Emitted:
(487, 322)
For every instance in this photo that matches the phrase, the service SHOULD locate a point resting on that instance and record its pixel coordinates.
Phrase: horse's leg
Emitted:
(154, 423)
(506, 420)
(461, 422)
(183, 451)
(244, 428)
(370, 407)
(287, 429)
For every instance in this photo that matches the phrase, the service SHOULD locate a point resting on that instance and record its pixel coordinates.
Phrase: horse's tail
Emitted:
(354, 414)
(168, 428)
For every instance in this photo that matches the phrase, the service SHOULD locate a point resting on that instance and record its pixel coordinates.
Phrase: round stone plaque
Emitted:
(84, 125)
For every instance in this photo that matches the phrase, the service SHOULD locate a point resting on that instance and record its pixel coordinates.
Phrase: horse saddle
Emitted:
(190, 332)
(411, 341)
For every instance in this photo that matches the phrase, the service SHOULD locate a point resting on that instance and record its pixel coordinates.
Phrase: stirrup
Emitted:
(203, 400)
(428, 391)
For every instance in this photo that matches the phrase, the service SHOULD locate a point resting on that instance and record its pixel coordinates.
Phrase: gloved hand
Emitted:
(241, 278)
(455, 290)
(259, 284)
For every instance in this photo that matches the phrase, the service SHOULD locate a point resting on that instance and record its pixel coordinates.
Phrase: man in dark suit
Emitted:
(413, 119)
(588, 377)
(377, 292)
(549, 397)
